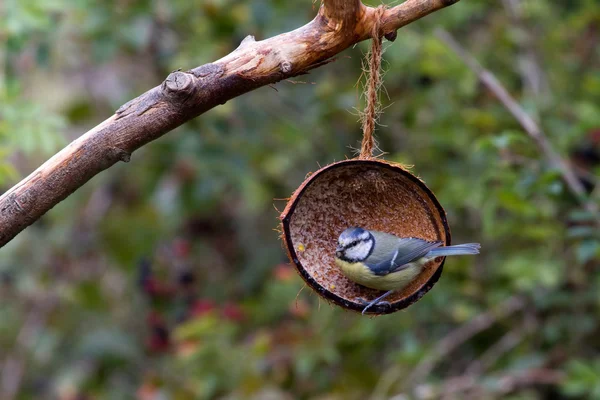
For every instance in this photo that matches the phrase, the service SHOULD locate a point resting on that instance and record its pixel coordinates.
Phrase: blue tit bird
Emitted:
(383, 261)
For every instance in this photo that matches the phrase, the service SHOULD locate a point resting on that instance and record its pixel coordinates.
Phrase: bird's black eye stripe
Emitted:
(351, 244)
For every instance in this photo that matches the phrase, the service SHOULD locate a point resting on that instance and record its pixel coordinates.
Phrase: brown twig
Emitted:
(532, 76)
(462, 334)
(446, 346)
(526, 122)
(506, 343)
(184, 95)
(458, 387)
(13, 368)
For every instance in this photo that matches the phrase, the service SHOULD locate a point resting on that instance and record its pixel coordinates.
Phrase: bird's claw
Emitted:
(369, 304)
(377, 301)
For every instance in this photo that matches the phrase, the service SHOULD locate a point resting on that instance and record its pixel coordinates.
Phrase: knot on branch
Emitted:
(178, 84)
(286, 67)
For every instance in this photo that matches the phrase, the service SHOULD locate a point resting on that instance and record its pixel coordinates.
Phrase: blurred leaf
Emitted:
(107, 345)
(587, 250)
(583, 378)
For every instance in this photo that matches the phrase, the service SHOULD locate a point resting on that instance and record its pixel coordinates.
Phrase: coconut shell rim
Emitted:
(331, 296)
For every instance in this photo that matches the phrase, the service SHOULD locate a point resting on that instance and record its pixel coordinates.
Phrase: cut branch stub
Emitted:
(372, 194)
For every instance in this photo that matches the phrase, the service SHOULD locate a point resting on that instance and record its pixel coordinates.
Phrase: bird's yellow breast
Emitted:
(360, 273)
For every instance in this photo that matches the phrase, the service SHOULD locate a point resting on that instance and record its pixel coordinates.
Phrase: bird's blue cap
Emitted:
(352, 234)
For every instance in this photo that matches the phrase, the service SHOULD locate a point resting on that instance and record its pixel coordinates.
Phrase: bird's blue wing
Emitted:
(408, 250)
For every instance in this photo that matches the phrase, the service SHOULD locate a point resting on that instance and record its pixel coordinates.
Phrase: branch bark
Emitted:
(344, 12)
(184, 95)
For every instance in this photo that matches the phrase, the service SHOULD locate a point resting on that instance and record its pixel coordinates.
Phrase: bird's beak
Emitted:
(339, 251)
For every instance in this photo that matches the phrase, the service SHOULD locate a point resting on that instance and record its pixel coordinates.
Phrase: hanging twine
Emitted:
(369, 115)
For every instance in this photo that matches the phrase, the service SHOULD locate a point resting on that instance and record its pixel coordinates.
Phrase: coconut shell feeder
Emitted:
(370, 193)
(367, 192)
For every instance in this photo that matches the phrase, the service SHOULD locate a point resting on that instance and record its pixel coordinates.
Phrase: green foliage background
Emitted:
(198, 203)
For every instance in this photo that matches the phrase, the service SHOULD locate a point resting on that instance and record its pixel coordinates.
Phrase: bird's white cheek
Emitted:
(359, 252)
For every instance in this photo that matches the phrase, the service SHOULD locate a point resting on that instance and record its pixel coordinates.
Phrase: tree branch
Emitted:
(187, 94)
(344, 12)
(462, 334)
(460, 386)
(410, 11)
(527, 123)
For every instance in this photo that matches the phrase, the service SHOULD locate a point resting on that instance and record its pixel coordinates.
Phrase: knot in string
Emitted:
(371, 111)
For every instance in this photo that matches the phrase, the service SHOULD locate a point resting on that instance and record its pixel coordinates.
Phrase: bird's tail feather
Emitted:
(457, 250)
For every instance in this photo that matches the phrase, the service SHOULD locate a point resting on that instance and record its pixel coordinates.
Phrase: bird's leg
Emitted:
(376, 301)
